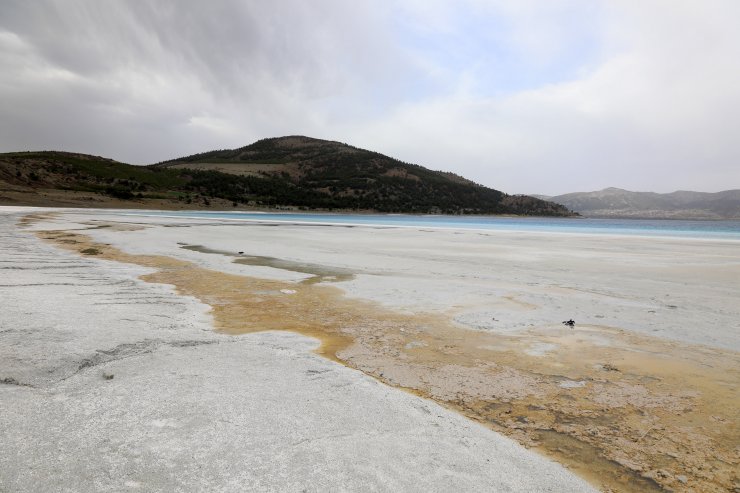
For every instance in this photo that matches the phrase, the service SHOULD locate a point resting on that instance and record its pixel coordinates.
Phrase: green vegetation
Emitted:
(93, 168)
(289, 171)
(84, 173)
(315, 173)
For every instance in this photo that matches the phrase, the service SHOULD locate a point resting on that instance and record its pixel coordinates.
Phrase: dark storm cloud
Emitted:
(168, 77)
(526, 96)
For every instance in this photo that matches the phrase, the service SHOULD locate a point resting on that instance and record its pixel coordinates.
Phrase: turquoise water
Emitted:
(639, 227)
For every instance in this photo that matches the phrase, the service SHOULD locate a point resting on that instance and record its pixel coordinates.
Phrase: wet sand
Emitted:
(625, 410)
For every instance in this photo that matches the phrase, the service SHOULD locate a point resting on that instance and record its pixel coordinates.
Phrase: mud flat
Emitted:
(642, 395)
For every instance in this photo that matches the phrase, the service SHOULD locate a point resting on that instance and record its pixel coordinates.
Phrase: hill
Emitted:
(288, 172)
(331, 174)
(615, 202)
(50, 178)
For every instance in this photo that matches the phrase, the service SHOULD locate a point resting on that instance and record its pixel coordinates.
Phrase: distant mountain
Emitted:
(615, 202)
(288, 172)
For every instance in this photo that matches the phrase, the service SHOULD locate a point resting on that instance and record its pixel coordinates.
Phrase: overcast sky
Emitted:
(526, 96)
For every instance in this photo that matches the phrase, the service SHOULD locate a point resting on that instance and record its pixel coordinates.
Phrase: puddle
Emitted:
(638, 409)
(319, 273)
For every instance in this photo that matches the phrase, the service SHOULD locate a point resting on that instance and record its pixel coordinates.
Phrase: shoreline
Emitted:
(560, 257)
(110, 383)
(380, 369)
(595, 232)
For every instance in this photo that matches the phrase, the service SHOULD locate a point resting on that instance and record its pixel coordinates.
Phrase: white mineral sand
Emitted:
(682, 289)
(109, 383)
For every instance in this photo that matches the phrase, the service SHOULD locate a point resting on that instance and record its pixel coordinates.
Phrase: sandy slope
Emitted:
(191, 409)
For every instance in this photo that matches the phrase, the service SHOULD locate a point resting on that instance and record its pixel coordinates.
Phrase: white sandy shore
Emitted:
(188, 409)
(679, 289)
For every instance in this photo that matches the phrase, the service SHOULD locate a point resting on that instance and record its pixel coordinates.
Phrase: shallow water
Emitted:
(729, 230)
(318, 273)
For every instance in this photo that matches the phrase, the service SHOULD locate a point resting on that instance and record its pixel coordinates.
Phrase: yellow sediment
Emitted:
(627, 412)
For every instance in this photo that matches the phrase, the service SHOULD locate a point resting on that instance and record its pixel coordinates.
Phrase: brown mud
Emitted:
(626, 412)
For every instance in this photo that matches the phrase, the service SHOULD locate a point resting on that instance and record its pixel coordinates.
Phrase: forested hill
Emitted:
(327, 174)
(289, 172)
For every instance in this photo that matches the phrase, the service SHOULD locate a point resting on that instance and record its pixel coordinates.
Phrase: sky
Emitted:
(525, 96)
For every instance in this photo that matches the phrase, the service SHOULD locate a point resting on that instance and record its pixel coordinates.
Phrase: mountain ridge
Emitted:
(250, 154)
(358, 178)
(681, 204)
(293, 172)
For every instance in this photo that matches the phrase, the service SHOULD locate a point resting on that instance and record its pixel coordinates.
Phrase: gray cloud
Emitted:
(521, 96)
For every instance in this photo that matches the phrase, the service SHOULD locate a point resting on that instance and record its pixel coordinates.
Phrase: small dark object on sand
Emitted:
(570, 323)
(239, 253)
(107, 376)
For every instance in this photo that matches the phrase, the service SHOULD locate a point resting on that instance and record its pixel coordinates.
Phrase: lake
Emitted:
(641, 227)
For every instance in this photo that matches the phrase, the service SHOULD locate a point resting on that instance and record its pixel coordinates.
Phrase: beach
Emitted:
(166, 352)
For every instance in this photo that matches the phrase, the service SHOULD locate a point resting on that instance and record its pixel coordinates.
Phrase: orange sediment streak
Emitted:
(627, 412)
